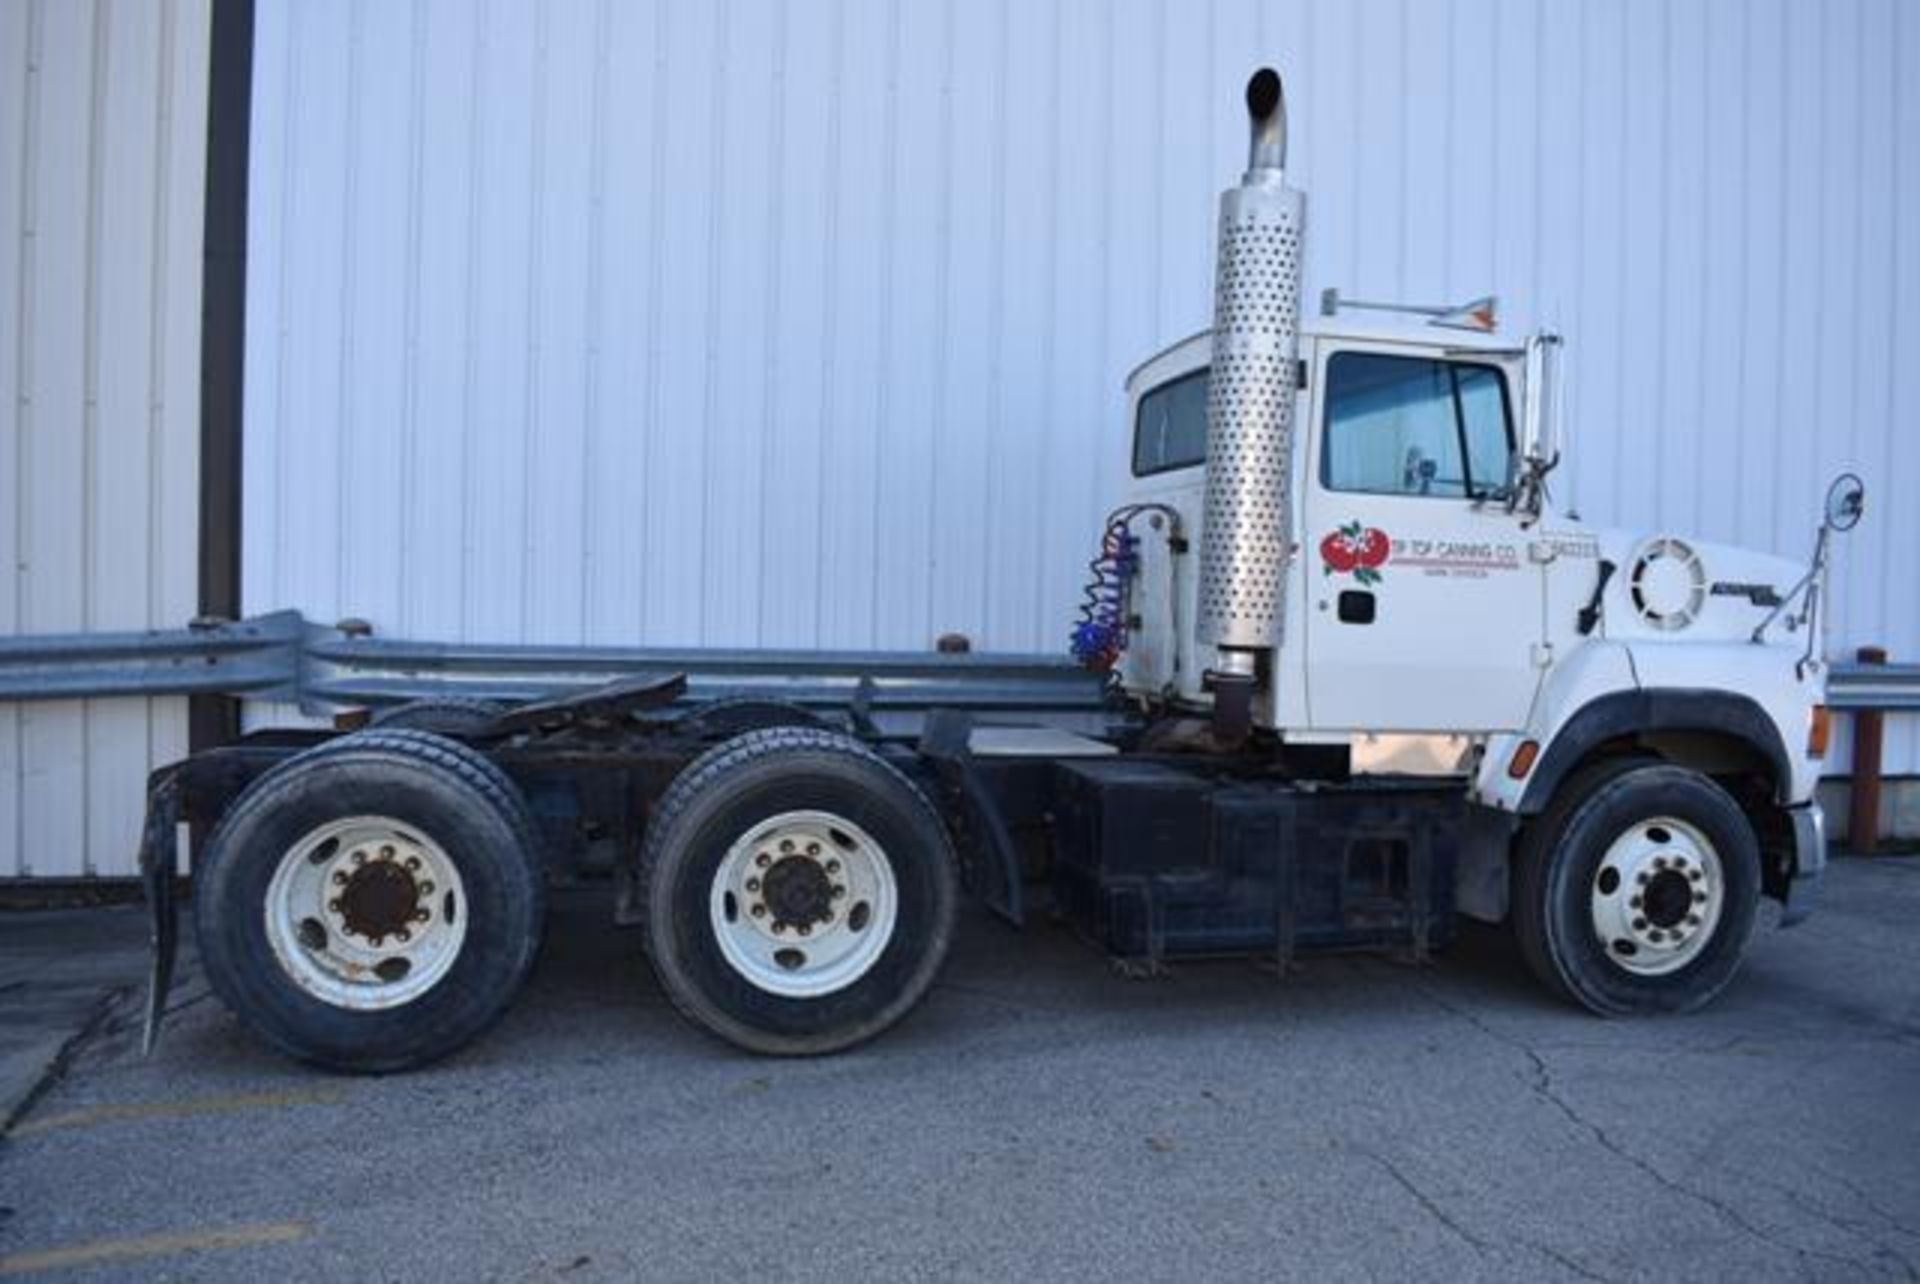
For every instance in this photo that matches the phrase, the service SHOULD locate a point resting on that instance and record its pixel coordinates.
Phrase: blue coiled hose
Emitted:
(1101, 635)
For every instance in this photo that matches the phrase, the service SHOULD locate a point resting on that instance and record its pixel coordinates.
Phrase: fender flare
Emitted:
(1656, 709)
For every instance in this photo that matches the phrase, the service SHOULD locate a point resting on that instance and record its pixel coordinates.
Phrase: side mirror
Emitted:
(1846, 501)
(1540, 421)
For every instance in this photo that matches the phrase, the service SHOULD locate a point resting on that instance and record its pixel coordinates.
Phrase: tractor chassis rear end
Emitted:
(1151, 857)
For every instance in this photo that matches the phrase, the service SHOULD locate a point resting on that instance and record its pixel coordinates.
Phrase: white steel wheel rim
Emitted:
(1657, 896)
(366, 913)
(803, 904)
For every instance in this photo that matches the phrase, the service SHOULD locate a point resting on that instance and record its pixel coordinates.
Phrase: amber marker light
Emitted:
(1522, 761)
(1818, 727)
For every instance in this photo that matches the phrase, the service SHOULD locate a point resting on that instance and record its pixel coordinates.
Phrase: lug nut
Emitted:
(339, 879)
(1635, 902)
(1655, 935)
(758, 911)
(426, 889)
(786, 845)
(1699, 898)
(376, 941)
(334, 905)
(779, 928)
(806, 929)
(763, 860)
(833, 867)
(359, 858)
(386, 852)
(838, 891)
(1639, 924)
(403, 936)
(421, 916)
(1659, 862)
(1693, 920)
(1641, 878)
(1695, 875)
(813, 849)
(753, 884)
(413, 863)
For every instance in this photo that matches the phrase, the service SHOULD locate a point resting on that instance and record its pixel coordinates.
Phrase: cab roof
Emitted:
(1195, 350)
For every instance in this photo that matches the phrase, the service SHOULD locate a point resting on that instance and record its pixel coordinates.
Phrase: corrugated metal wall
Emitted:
(102, 147)
(750, 322)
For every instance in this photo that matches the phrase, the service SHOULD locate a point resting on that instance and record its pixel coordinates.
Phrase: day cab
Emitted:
(1445, 619)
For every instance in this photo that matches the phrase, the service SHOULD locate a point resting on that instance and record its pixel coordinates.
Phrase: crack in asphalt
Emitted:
(1852, 1225)
(1583, 1272)
(98, 1021)
(1868, 1202)
(1425, 1201)
(1848, 1225)
(1542, 1086)
(1438, 1213)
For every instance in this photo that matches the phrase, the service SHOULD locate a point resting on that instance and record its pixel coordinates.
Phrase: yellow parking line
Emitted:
(174, 1109)
(144, 1246)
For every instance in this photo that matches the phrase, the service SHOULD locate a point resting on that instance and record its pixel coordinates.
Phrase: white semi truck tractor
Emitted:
(1364, 678)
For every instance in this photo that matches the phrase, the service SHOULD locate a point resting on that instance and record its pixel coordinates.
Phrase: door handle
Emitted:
(1356, 606)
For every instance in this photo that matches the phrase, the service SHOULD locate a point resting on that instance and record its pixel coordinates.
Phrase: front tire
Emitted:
(800, 892)
(1637, 890)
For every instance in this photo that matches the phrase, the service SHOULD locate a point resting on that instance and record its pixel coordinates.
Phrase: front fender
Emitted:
(1765, 677)
(1652, 709)
(1591, 671)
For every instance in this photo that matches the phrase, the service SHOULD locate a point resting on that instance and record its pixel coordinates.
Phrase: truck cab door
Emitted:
(1423, 608)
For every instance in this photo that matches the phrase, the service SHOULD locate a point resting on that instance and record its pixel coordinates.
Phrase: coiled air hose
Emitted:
(1100, 636)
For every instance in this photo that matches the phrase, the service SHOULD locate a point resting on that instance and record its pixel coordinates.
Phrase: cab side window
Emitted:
(1170, 427)
(1415, 426)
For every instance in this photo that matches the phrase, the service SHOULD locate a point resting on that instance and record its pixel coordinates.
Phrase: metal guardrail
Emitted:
(283, 657)
(1893, 687)
(258, 657)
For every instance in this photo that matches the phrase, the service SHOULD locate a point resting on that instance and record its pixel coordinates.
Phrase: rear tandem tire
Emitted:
(452, 715)
(1636, 891)
(268, 885)
(799, 892)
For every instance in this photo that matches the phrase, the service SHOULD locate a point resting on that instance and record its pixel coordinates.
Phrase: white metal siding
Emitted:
(102, 153)
(751, 322)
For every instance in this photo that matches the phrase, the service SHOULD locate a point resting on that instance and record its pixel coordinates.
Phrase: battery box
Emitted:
(1156, 859)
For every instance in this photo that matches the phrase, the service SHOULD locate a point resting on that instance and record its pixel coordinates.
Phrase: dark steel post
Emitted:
(214, 719)
(1863, 823)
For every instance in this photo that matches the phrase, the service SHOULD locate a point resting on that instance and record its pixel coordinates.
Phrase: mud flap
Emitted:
(157, 846)
(992, 865)
(1809, 863)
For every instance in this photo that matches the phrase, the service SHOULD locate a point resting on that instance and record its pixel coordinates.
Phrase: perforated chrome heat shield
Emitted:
(1247, 524)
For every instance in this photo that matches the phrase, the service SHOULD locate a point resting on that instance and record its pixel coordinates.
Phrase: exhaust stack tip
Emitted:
(1263, 93)
(1267, 119)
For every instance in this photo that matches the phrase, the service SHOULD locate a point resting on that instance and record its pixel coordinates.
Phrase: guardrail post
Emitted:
(1863, 823)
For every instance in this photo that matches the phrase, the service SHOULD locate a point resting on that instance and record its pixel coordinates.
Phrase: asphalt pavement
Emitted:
(1039, 1117)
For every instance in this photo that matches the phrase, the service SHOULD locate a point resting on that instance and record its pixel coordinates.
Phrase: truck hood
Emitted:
(1675, 587)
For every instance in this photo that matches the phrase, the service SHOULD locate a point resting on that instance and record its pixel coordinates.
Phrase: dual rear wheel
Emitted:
(375, 903)
(801, 892)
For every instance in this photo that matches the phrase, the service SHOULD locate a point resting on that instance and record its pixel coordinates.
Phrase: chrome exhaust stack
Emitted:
(1247, 518)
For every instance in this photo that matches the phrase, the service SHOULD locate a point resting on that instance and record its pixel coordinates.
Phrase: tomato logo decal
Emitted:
(1355, 550)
